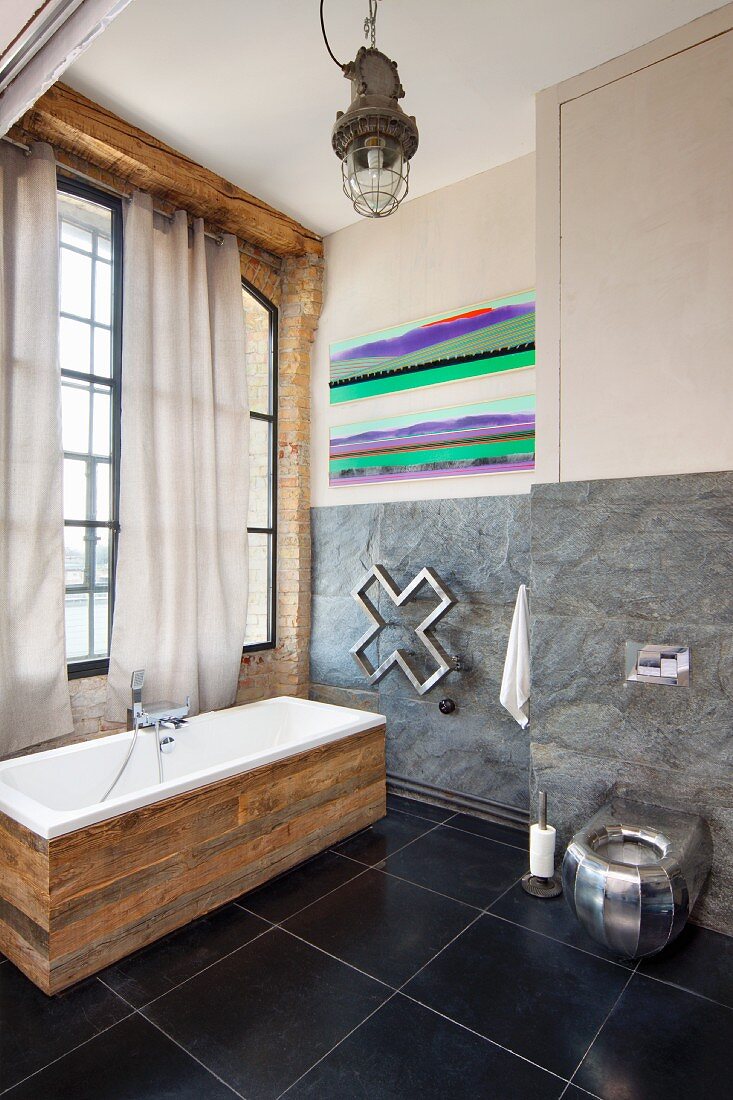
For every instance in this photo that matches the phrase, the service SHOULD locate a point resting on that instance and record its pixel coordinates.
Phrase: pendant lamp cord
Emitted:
(370, 32)
(325, 39)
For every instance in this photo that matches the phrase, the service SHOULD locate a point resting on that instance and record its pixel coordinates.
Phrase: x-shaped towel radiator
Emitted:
(398, 656)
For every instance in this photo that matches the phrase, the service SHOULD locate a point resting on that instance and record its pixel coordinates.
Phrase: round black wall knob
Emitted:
(446, 706)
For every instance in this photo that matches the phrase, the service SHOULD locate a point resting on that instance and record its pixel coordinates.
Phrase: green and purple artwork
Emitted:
(485, 438)
(490, 338)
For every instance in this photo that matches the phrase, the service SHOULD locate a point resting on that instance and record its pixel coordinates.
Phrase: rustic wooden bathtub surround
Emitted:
(74, 904)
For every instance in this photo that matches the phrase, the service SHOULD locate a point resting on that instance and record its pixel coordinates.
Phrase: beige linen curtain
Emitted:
(34, 692)
(181, 587)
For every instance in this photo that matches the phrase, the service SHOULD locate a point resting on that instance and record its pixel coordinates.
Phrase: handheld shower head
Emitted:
(136, 685)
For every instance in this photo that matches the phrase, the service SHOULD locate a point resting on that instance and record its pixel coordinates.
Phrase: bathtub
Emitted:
(246, 794)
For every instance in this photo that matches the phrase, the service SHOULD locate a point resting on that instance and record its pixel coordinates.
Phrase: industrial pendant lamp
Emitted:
(374, 139)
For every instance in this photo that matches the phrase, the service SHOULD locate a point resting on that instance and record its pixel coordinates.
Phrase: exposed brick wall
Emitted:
(284, 669)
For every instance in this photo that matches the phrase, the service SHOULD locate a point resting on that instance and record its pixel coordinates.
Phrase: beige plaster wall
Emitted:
(635, 262)
(456, 246)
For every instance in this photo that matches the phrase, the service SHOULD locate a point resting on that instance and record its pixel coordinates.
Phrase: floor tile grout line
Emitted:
(336, 958)
(681, 988)
(430, 890)
(421, 817)
(449, 897)
(606, 1018)
(203, 970)
(437, 825)
(440, 952)
(592, 1095)
(486, 1039)
(503, 894)
(552, 939)
(279, 923)
(67, 1052)
(493, 839)
(123, 999)
(192, 1056)
(361, 1023)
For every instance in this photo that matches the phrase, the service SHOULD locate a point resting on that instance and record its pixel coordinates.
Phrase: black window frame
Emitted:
(272, 419)
(100, 666)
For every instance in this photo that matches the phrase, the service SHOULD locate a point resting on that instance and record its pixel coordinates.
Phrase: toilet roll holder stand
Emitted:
(537, 885)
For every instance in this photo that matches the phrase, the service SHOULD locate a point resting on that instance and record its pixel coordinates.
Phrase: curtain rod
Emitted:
(273, 263)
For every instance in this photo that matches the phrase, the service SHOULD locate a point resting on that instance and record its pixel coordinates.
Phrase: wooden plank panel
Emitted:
(218, 860)
(119, 885)
(102, 853)
(24, 870)
(78, 126)
(91, 957)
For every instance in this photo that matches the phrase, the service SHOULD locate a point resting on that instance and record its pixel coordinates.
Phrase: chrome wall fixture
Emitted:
(374, 139)
(398, 656)
(633, 874)
(658, 664)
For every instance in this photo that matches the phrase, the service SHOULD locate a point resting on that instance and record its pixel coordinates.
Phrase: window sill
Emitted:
(80, 669)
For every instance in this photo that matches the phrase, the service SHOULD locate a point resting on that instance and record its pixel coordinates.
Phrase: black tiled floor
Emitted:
(661, 1043)
(262, 1017)
(517, 838)
(418, 809)
(699, 960)
(158, 968)
(534, 996)
(551, 916)
(390, 834)
(406, 1052)
(286, 895)
(382, 925)
(131, 1061)
(270, 1011)
(35, 1029)
(461, 865)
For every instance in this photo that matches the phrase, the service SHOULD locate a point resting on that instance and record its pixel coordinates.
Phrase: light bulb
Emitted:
(375, 159)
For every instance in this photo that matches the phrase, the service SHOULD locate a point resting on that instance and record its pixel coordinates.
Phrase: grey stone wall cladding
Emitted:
(649, 559)
(480, 548)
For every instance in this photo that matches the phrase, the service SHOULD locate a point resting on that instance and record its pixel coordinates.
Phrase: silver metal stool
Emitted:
(633, 874)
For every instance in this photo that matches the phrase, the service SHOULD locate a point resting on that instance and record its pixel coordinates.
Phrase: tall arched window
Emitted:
(261, 324)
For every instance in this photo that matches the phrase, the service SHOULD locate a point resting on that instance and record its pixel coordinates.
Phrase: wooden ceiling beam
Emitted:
(70, 122)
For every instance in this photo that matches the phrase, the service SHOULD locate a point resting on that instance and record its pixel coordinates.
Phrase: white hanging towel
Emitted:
(516, 681)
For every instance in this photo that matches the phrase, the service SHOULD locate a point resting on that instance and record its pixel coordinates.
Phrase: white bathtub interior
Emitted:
(57, 791)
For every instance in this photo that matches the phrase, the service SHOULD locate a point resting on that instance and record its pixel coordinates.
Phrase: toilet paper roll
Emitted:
(542, 851)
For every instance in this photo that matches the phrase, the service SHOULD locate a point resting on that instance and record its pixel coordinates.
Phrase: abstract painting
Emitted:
(490, 338)
(484, 438)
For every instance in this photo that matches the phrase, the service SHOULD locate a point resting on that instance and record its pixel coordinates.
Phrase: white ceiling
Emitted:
(246, 88)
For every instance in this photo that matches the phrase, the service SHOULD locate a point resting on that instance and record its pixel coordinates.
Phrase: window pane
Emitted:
(77, 625)
(76, 283)
(101, 556)
(259, 590)
(102, 488)
(101, 624)
(75, 235)
(102, 427)
(259, 473)
(74, 345)
(75, 488)
(86, 347)
(75, 556)
(103, 293)
(75, 417)
(102, 352)
(257, 328)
